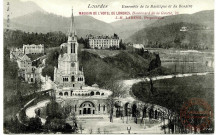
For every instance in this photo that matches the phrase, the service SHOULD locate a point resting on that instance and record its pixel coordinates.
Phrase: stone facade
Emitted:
(32, 75)
(16, 53)
(24, 62)
(26, 71)
(70, 81)
(103, 42)
(33, 49)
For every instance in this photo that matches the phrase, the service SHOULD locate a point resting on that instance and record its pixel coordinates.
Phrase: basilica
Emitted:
(70, 82)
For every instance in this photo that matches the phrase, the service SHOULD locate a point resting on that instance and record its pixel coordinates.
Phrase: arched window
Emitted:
(66, 94)
(102, 94)
(72, 78)
(79, 94)
(60, 93)
(91, 93)
(99, 107)
(97, 93)
(72, 47)
(82, 94)
(104, 108)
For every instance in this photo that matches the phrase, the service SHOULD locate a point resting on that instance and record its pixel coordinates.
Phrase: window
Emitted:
(72, 47)
(99, 107)
(73, 79)
(72, 64)
(65, 79)
(60, 93)
(66, 94)
(91, 93)
(97, 93)
(104, 108)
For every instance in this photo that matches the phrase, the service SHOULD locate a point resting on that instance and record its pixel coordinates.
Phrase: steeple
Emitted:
(72, 31)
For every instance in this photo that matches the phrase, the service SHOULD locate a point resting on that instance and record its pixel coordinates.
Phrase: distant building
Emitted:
(103, 42)
(138, 46)
(15, 53)
(184, 29)
(33, 49)
(24, 62)
(32, 74)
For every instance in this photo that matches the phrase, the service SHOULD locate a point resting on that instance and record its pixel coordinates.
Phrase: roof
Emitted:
(95, 85)
(25, 58)
(103, 37)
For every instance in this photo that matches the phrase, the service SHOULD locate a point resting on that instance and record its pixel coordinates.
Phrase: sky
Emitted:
(63, 7)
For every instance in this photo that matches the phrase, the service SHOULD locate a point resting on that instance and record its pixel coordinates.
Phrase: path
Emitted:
(127, 84)
(30, 112)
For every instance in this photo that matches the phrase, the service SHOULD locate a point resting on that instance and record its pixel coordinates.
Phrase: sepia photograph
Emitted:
(108, 67)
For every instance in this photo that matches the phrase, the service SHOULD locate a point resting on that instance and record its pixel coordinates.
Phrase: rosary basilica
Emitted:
(70, 81)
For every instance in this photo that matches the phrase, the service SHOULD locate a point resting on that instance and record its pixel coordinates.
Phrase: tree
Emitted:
(122, 45)
(117, 91)
(35, 124)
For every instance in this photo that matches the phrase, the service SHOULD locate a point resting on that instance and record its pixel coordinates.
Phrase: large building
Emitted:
(70, 81)
(103, 42)
(33, 49)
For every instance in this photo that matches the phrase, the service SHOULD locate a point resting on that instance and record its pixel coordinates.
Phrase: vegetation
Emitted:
(172, 93)
(125, 64)
(170, 36)
(15, 91)
(17, 38)
(56, 119)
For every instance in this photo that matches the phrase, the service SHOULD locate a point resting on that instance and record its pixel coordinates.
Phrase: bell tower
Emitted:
(72, 38)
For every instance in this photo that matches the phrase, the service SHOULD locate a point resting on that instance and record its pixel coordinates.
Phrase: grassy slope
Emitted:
(178, 90)
(168, 34)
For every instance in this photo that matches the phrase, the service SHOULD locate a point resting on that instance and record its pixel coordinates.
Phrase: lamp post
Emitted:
(129, 128)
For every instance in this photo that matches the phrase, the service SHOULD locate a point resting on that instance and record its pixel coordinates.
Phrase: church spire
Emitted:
(72, 31)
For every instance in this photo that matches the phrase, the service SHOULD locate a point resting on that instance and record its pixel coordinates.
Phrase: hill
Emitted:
(167, 36)
(17, 8)
(126, 28)
(102, 70)
(205, 18)
(43, 22)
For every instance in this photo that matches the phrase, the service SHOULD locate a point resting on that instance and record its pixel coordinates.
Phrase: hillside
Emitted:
(124, 28)
(43, 22)
(102, 70)
(205, 18)
(167, 36)
(17, 5)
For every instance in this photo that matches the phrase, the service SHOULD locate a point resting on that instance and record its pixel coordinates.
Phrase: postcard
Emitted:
(108, 67)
